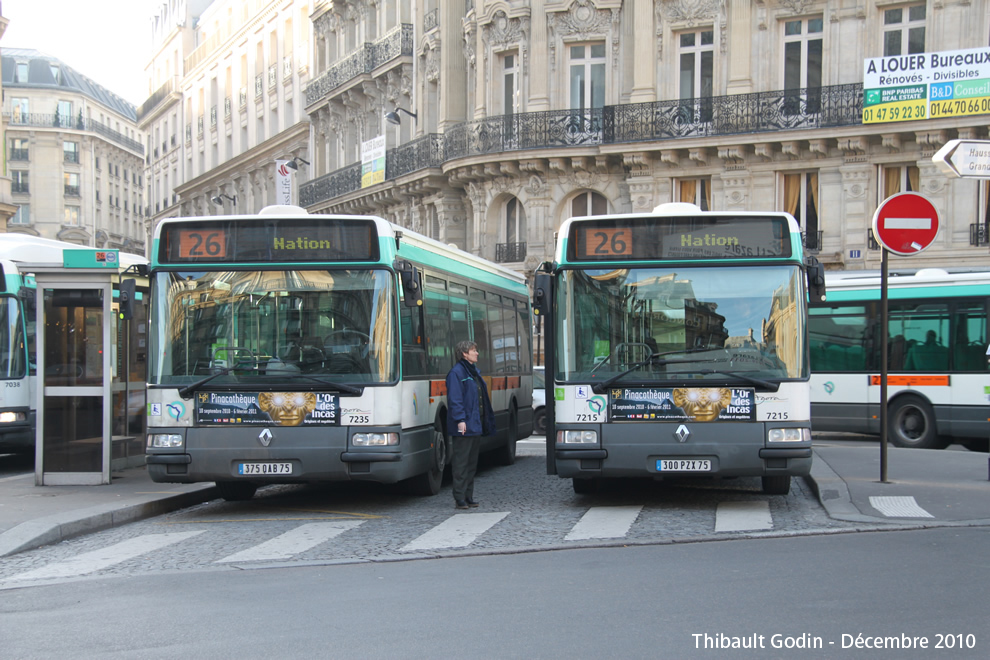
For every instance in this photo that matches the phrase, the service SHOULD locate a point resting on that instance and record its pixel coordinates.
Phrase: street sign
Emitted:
(906, 223)
(965, 158)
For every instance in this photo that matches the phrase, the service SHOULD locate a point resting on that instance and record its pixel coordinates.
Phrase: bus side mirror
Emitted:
(541, 294)
(816, 279)
(126, 298)
(412, 288)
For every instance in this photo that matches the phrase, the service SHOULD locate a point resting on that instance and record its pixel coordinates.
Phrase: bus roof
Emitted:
(26, 249)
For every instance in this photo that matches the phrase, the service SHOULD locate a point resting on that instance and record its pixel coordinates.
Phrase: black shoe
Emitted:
(460, 504)
(471, 503)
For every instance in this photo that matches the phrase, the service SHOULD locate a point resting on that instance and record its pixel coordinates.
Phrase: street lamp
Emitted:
(393, 117)
(218, 200)
(294, 163)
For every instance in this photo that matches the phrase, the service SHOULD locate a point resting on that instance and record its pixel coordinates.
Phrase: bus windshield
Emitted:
(13, 358)
(258, 328)
(705, 324)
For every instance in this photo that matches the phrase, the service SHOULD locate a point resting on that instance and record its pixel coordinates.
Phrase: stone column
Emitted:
(644, 60)
(539, 94)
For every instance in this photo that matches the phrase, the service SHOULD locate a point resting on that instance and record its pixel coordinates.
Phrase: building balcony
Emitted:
(38, 120)
(397, 43)
(662, 123)
(170, 90)
(18, 154)
(816, 246)
(71, 191)
(510, 252)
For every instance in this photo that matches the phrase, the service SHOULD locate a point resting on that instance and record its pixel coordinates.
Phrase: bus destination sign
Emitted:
(650, 237)
(286, 240)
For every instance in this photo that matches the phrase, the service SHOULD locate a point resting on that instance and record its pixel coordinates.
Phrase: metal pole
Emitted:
(883, 365)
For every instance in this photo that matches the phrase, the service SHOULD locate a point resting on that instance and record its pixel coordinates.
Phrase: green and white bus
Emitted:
(292, 348)
(937, 386)
(677, 346)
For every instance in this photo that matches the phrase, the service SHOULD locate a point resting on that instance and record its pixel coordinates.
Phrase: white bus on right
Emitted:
(938, 383)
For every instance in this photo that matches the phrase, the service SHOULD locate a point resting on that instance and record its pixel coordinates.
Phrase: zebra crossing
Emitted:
(459, 531)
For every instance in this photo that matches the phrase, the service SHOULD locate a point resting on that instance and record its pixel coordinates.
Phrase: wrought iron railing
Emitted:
(157, 97)
(510, 252)
(979, 234)
(816, 236)
(763, 112)
(19, 154)
(871, 240)
(81, 124)
(365, 59)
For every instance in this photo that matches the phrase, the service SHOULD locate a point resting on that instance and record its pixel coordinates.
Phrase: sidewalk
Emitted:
(32, 516)
(925, 487)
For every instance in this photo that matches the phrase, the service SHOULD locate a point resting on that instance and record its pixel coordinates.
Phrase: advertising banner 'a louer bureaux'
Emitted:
(951, 83)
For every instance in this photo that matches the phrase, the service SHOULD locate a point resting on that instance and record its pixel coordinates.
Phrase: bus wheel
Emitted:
(540, 422)
(507, 452)
(777, 485)
(911, 423)
(586, 486)
(236, 491)
(429, 482)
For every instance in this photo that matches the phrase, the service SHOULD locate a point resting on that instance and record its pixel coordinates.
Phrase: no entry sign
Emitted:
(906, 223)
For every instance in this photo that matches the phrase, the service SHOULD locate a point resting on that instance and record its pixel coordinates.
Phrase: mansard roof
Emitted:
(40, 76)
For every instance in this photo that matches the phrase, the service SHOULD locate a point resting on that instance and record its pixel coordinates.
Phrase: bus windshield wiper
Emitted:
(759, 382)
(185, 392)
(654, 360)
(350, 389)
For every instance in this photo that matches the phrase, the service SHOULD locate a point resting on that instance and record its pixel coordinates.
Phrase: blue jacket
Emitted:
(462, 401)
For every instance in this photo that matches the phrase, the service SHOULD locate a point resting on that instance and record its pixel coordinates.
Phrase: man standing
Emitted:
(469, 416)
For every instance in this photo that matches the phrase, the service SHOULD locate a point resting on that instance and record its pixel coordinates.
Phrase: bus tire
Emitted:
(540, 422)
(236, 491)
(507, 453)
(586, 486)
(428, 483)
(911, 424)
(777, 484)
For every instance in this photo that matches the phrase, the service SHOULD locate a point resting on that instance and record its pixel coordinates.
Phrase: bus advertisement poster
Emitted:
(268, 408)
(682, 404)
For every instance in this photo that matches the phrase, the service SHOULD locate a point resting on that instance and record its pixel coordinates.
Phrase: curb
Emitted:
(61, 526)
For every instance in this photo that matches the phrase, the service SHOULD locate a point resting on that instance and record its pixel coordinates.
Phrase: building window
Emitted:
(23, 215)
(64, 112)
(71, 181)
(801, 201)
(803, 65)
(898, 179)
(19, 181)
(510, 83)
(71, 216)
(589, 203)
(697, 53)
(979, 232)
(70, 152)
(19, 112)
(515, 221)
(18, 149)
(587, 76)
(56, 74)
(696, 191)
(22, 72)
(904, 30)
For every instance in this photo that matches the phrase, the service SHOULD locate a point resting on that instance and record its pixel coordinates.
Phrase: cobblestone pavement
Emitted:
(522, 508)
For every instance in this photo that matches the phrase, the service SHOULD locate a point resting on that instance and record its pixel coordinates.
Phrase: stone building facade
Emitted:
(73, 154)
(514, 115)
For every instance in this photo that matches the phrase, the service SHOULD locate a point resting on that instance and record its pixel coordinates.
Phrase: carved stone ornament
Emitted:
(691, 12)
(503, 31)
(582, 21)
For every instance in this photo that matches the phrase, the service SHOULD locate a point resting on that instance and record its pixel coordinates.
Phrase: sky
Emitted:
(108, 41)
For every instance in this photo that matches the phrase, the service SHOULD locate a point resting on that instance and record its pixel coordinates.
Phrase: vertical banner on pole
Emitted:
(283, 182)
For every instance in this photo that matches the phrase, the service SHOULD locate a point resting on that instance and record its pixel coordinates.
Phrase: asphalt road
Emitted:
(838, 595)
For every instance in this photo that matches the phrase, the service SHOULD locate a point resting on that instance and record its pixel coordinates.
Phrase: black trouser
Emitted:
(464, 464)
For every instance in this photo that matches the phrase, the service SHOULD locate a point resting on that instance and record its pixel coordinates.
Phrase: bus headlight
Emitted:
(164, 441)
(789, 435)
(10, 417)
(577, 437)
(374, 439)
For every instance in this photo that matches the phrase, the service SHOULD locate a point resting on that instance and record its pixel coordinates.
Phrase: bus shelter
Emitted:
(90, 388)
